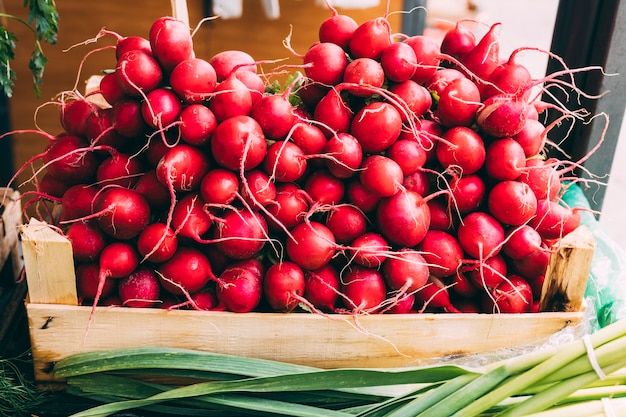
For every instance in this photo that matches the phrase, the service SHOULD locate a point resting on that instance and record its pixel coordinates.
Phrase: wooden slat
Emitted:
(308, 339)
(49, 265)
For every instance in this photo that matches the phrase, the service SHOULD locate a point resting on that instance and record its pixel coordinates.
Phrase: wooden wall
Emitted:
(80, 20)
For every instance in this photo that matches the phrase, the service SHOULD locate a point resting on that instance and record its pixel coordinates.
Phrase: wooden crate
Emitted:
(57, 324)
(12, 287)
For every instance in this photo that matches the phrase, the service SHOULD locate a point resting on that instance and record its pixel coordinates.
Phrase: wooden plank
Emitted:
(302, 338)
(568, 271)
(49, 265)
(10, 219)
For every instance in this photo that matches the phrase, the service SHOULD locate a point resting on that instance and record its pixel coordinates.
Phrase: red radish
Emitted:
(370, 38)
(128, 120)
(382, 175)
(189, 219)
(52, 186)
(364, 71)
(69, 159)
(405, 270)
(458, 103)
(404, 305)
(441, 79)
(512, 202)
(553, 220)
(325, 63)
(285, 161)
(219, 186)
(442, 251)
(240, 286)
(253, 82)
(463, 148)
(87, 282)
(333, 113)
(131, 43)
(290, 206)
(428, 55)
(231, 98)
(408, 154)
(121, 212)
(435, 296)
(87, 240)
(467, 193)
(364, 289)
(77, 201)
(138, 72)
(462, 286)
(458, 41)
(324, 188)
(419, 181)
(313, 245)
(74, 115)
(346, 222)
(258, 189)
(505, 159)
(513, 296)
(533, 265)
(153, 190)
(194, 80)
(416, 97)
(488, 273)
(480, 235)
(197, 123)
(275, 114)
(101, 130)
(321, 287)
(440, 215)
(110, 89)
(171, 42)
(157, 243)
(483, 58)
(204, 300)
(161, 108)
(344, 155)
(369, 250)
(399, 62)
(521, 242)
(120, 169)
(308, 137)
(188, 271)
(228, 61)
(403, 218)
(502, 115)
(542, 177)
(509, 77)
(531, 137)
(140, 289)
(376, 126)
(241, 234)
(183, 167)
(239, 141)
(362, 197)
(283, 286)
(337, 29)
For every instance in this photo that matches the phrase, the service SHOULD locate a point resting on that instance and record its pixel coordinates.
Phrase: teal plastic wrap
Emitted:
(606, 286)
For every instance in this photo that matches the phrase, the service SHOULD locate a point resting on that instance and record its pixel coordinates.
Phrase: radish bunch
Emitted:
(396, 175)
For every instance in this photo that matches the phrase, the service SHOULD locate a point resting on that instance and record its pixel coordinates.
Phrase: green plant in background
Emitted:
(17, 393)
(43, 22)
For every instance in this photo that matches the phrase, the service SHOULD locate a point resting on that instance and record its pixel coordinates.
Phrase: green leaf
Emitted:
(7, 54)
(45, 16)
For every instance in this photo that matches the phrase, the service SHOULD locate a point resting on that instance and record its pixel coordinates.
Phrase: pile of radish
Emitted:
(392, 174)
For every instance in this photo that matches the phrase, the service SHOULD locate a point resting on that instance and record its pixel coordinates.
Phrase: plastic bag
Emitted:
(606, 286)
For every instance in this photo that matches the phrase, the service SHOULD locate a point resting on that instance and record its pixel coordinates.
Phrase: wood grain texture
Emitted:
(308, 339)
